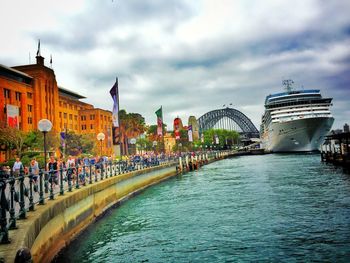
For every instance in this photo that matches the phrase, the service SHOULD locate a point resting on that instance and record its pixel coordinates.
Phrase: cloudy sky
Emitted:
(189, 56)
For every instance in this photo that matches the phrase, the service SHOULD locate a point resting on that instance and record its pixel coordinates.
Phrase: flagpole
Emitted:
(119, 135)
(162, 131)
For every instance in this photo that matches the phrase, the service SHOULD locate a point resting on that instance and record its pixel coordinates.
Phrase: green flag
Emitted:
(159, 114)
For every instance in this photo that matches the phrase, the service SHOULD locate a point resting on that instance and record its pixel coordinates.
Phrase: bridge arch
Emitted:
(208, 121)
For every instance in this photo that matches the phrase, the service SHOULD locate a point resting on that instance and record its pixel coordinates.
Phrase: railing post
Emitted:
(12, 220)
(51, 180)
(46, 181)
(22, 210)
(77, 177)
(84, 175)
(61, 180)
(96, 172)
(90, 178)
(41, 190)
(31, 203)
(101, 168)
(4, 207)
(69, 178)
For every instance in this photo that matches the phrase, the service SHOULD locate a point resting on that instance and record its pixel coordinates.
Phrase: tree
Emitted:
(77, 144)
(13, 138)
(131, 126)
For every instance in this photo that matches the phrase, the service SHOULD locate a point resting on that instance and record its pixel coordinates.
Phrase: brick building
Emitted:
(31, 91)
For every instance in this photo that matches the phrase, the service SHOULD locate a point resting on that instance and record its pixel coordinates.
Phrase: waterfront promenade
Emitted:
(67, 208)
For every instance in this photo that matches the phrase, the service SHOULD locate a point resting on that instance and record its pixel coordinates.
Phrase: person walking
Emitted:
(17, 166)
(34, 168)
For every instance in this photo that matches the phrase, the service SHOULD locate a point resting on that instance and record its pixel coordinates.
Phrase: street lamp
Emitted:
(101, 137)
(133, 142)
(44, 125)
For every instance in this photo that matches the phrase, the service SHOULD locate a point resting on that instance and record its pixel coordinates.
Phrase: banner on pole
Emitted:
(190, 134)
(159, 114)
(115, 96)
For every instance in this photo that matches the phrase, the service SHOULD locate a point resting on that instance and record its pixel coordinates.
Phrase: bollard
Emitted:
(22, 210)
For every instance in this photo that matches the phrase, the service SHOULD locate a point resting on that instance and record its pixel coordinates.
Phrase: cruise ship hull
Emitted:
(299, 135)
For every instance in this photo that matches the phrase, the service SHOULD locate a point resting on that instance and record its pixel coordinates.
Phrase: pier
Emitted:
(336, 150)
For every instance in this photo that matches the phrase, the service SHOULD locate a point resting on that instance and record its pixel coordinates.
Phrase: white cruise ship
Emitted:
(295, 121)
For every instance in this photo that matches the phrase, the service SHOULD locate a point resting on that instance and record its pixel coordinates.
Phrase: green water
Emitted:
(270, 208)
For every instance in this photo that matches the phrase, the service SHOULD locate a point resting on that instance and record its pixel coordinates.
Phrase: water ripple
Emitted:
(272, 208)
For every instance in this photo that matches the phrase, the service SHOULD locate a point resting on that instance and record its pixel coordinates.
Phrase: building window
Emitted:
(60, 114)
(18, 96)
(105, 118)
(75, 117)
(30, 108)
(70, 116)
(65, 115)
(91, 126)
(92, 117)
(6, 93)
(29, 95)
(83, 118)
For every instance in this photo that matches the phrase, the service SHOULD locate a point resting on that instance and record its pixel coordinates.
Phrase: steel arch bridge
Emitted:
(208, 121)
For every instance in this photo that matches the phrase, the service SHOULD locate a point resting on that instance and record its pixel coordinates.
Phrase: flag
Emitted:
(115, 96)
(38, 52)
(189, 130)
(177, 135)
(159, 114)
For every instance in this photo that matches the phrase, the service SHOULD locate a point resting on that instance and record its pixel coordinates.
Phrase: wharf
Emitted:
(336, 150)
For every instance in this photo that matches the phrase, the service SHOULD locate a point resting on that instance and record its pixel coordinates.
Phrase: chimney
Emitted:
(40, 60)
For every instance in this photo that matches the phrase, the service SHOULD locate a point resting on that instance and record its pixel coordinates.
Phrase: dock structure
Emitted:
(336, 150)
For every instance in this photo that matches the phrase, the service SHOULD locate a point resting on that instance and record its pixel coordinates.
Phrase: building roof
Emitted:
(15, 74)
(70, 93)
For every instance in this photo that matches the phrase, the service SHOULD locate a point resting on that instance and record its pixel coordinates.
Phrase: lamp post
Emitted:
(44, 125)
(133, 142)
(101, 137)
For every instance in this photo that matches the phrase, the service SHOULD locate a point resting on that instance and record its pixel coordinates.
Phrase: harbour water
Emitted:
(268, 208)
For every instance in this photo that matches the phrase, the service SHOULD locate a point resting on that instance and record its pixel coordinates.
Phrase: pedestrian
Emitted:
(52, 167)
(17, 166)
(34, 166)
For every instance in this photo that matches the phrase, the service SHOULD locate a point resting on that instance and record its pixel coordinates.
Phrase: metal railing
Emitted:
(21, 192)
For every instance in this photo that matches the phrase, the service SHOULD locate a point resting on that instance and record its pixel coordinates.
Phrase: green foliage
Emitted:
(226, 137)
(77, 144)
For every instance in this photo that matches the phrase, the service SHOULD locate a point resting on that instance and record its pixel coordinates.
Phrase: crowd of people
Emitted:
(73, 166)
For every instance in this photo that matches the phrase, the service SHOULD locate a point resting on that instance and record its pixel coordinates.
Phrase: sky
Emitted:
(188, 56)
